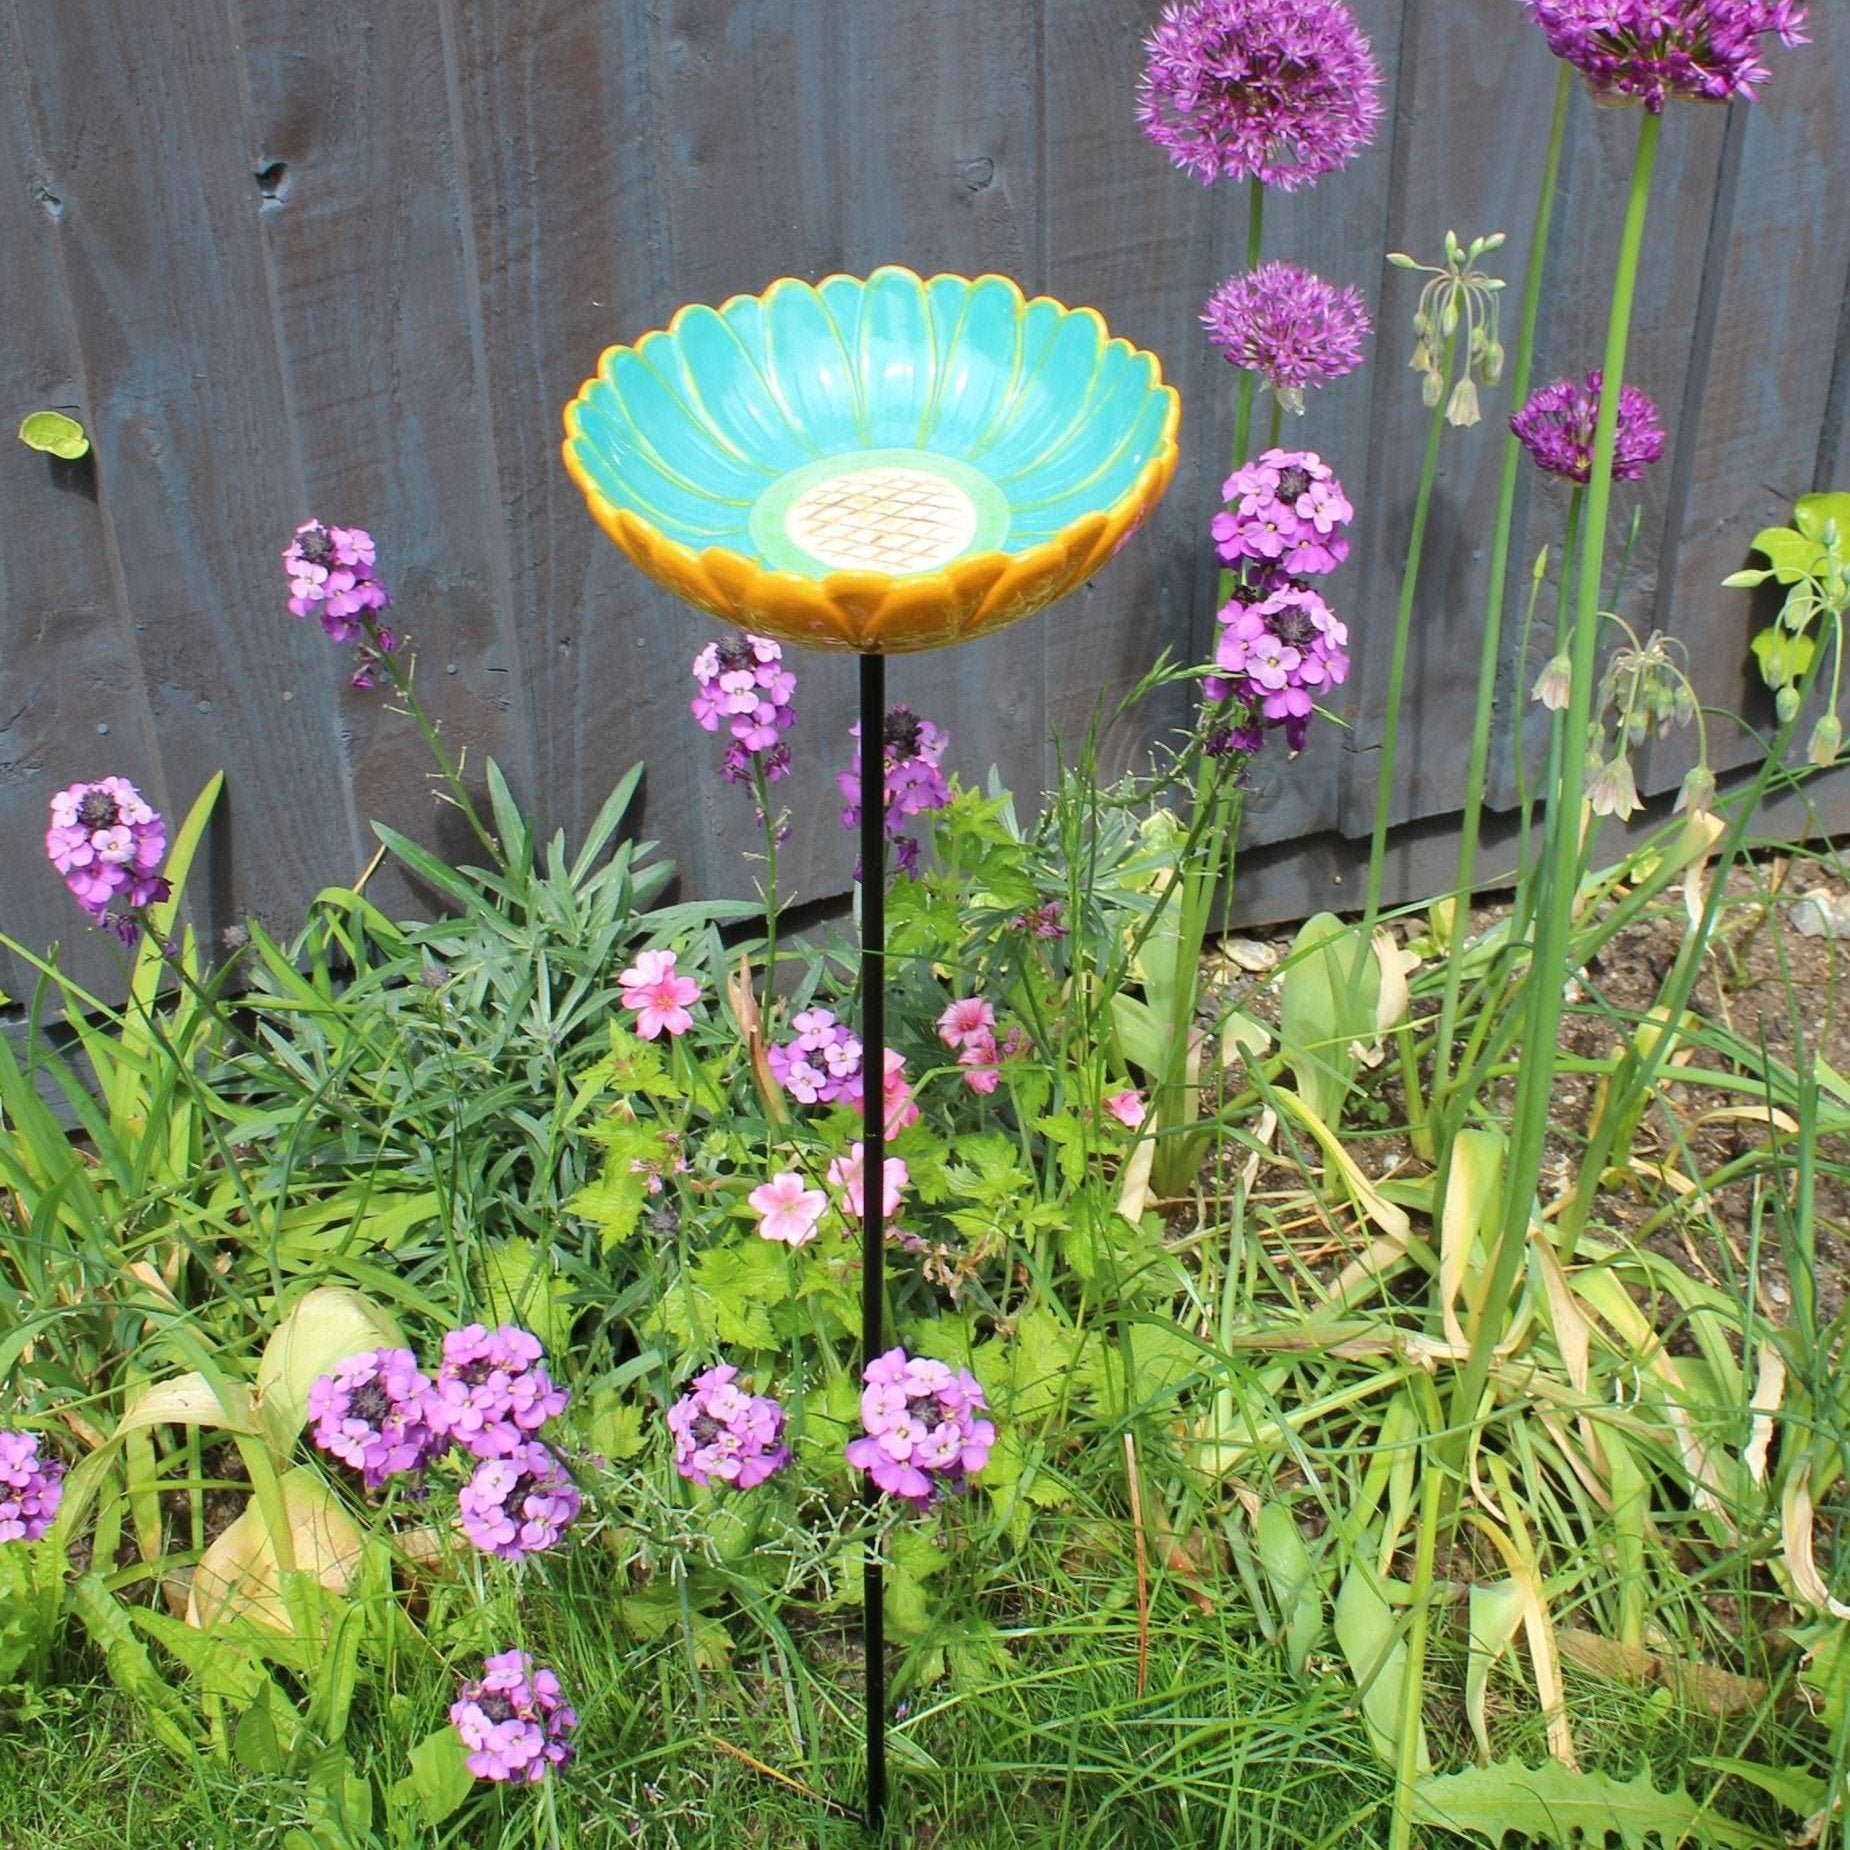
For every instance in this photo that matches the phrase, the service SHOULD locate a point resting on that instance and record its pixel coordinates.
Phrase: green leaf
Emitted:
(1794, 556)
(54, 434)
(519, 1286)
(254, 1744)
(1293, 1578)
(726, 1296)
(1553, 1804)
(1811, 512)
(1328, 994)
(1369, 1633)
(440, 1777)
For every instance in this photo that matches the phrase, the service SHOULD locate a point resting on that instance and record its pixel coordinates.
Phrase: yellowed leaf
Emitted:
(240, 1576)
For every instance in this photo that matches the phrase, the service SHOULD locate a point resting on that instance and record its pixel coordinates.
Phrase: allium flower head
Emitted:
(744, 684)
(1288, 512)
(659, 996)
(911, 748)
(106, 841)
(1281, 91)
(1556, 428)
(513, 1720)
(821, 1063)
(372, 1413)
(1658, 50)
(492, 1390)
(31, 1487)
(723, 1434)
(1291, 328)
(786, 1210)
(922, 1433)
(518, 1505)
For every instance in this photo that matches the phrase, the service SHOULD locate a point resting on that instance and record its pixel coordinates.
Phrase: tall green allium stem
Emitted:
(1548, 970)
(1522, 362)
(1397, 665)
(1243, 392)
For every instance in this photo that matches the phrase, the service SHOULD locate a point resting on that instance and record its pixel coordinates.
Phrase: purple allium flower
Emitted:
(822, 1064)
(1556, 428)
(1657, 50)
(742, 680)
(912, 748)
(923, 1435)
(518, 1505)
(723, 1433)
(1288, 514)
(31, 1487)
(1275, 90)
(513, 1720)
(1291, 328)
(331, 575)
(106, 841)
(371, 1413)
(491, 1390)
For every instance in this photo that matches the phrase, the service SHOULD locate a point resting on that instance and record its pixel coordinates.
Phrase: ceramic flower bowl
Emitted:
(878, 464)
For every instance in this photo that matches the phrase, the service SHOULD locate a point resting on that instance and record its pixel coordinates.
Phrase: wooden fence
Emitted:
(351, 260)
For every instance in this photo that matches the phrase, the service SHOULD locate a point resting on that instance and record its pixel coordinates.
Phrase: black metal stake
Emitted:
(873, 1179)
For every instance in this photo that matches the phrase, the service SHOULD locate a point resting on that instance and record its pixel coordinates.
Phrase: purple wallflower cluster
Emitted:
(743, 682)
(31, 1487)
(822, 1064)
(331, 576)
(518, 1505)
(922, 1433)
(372, 1413)
(723, 1434)
(911, 749)
(1659, 50)
(1291, 328)
(489, 1396)
(1280, 644)
(107, 841)
(1280, 91)
(1556, 428)
(513, 1720)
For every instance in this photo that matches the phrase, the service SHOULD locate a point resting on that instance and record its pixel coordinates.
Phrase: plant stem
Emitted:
(447, 767)
(1397, 665)
(1548, 969)
(1243, 400)
(1522, 365)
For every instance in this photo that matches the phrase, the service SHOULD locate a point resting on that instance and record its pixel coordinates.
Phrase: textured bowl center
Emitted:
(892, 511)
(883, 520)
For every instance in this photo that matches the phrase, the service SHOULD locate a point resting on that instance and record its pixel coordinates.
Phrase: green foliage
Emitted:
(54, 434)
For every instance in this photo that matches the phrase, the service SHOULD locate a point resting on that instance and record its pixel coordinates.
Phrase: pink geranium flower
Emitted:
(963, 1021)
(897, 1095)
(845, 1173)
(788, 1211)
(659, 997)
(1126, 1107)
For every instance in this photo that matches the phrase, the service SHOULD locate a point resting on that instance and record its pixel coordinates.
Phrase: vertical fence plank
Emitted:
(144, 140)
(372, 292)
(71, 700)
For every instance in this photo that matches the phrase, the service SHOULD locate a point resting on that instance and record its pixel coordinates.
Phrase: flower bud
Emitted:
(1826, 738)
(1422, 357)
(1493, 361)
(1698, 792)
(1786, 704)
(1432, 389)
(1448, 318)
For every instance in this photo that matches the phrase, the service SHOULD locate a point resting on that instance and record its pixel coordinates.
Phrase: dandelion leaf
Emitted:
(1552, 1804)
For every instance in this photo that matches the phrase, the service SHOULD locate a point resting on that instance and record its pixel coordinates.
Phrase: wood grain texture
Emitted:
(352, 260)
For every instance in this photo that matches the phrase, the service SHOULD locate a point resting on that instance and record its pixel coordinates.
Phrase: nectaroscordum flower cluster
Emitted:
(107, 841)
(1656, 51)
(1281, 646)
(490, 1395)
(31, 1487)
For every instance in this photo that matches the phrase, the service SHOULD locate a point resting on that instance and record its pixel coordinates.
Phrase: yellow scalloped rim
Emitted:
(876, 612)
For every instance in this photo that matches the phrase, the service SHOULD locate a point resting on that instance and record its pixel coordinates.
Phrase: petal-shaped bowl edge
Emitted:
(878, 612)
